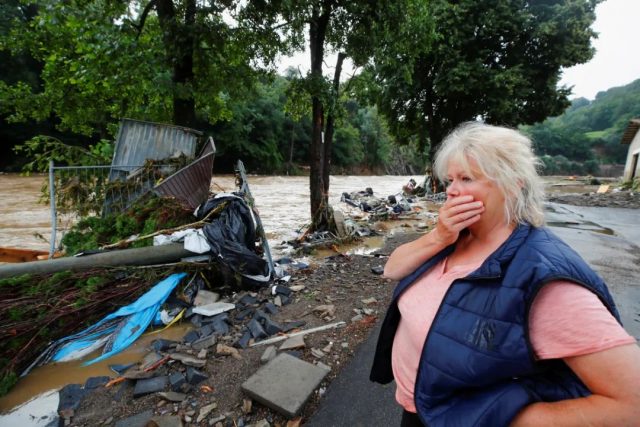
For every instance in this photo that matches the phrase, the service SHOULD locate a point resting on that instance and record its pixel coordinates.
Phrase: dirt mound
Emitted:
(611, 199)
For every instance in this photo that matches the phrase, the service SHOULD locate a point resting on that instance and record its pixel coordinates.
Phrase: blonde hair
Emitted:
(505, 157)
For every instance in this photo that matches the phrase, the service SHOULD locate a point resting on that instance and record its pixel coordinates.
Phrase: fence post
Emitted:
(52, 204)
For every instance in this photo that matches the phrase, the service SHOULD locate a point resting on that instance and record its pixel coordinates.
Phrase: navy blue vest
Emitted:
(477, 366)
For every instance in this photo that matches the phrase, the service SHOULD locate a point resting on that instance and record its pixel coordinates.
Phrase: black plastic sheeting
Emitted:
(232, 237)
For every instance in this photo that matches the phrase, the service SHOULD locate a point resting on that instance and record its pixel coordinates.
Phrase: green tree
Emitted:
(590, 128)
(497, 60)
(174, 61)
(375, 138)
(340, 26)
(347, 150)
(560, 141)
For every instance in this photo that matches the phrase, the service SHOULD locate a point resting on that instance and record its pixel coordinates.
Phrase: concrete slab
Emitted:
(139, 420)
(284, 384)
(213, 308)
(150, 385)
(292, 343)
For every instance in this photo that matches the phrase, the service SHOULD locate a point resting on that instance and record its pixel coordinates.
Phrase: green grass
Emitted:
(596, 134)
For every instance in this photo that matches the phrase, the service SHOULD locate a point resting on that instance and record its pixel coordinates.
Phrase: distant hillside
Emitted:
(589, 132)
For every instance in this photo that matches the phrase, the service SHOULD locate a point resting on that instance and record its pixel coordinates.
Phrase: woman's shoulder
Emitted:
(543, 253)
(543, 239)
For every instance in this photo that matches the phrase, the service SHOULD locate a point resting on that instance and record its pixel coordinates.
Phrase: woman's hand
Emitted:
(455, 215)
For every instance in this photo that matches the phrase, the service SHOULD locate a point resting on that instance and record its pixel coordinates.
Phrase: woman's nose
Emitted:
(452, 189)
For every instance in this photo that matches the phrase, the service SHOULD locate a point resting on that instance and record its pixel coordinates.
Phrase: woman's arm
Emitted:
(455, 215)
(612, 375)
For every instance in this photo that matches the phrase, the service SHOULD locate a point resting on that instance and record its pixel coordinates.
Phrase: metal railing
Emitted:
(81, 191)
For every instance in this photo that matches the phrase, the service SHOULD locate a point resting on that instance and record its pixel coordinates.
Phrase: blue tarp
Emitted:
(118, 330)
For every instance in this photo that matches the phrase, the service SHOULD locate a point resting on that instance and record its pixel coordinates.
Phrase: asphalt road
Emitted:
(607, 238)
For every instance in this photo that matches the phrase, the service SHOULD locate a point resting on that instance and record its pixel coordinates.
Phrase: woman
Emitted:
(496, 321)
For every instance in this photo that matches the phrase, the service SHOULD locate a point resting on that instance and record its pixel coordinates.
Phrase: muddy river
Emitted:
(283, 204)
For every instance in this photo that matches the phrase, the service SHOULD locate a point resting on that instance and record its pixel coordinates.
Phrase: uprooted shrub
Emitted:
(150, 214)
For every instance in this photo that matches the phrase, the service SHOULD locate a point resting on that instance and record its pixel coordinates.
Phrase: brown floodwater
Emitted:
(282, 201)
(40, 383)
(283, 205)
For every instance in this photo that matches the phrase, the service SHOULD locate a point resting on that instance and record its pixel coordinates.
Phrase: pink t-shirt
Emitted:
(556, 323)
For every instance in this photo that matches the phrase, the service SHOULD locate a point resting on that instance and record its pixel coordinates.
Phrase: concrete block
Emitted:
(293, 343)
(162, 344)
(206, 330)
(270, 308)
(243, 342)
(194, 376)
(292, 325)
(177, 380)
(248, 299)
(268, 355)
(256, 329)
(150, 385)
(204, 343)
(70, 397)
(284, 384)
(95, 382)
(191, 337)
(139, 420)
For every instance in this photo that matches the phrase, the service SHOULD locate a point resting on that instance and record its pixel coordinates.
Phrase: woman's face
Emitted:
(461, 183)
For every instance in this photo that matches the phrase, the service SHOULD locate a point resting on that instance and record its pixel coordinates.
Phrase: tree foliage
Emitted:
(500, 61)
(170, 61)
(339, 26)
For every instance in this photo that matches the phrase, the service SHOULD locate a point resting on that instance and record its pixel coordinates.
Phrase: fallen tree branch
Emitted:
(196, 224)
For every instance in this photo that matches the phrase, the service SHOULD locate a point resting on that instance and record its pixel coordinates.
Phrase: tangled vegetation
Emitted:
(36, 309)
(632, 184)
(146, 216)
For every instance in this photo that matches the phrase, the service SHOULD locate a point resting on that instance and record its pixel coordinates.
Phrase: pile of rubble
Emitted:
(177, 374)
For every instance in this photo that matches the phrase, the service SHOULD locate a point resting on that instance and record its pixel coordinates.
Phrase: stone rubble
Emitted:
(224, 326)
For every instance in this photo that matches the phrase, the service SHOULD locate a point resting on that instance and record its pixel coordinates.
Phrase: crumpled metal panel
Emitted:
(138, 141)
(190, 185)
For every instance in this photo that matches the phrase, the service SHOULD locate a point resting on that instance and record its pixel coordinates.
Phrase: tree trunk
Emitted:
(328, 134)
(290, 163)
(435, 138)
(178, 43)
(317, 32)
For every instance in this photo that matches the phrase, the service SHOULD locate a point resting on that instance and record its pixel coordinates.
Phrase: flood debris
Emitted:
(284, 384)
(234, 260)
(361, 209)
(115, 332)
(225, 347)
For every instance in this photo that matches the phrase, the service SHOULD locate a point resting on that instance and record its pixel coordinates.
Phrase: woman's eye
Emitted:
(466, 179)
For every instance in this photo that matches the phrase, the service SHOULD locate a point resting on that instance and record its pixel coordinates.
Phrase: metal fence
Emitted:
(81, 191)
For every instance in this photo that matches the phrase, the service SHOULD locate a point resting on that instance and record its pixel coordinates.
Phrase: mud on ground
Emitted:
(611, 199)
(341, 281)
